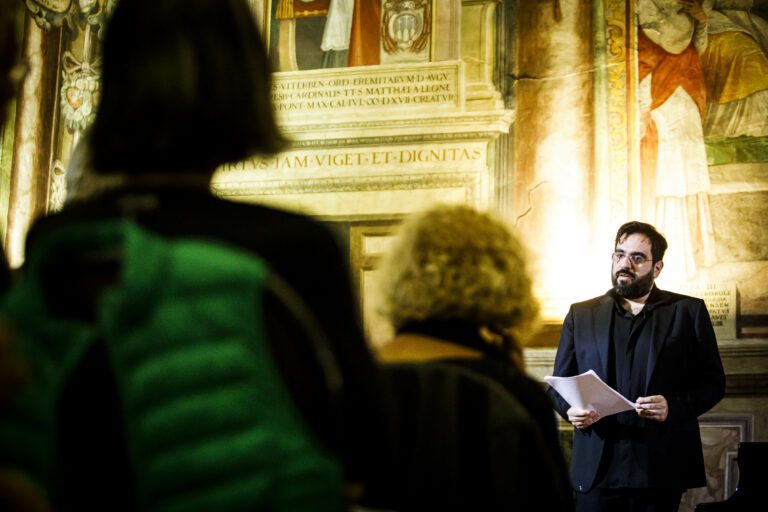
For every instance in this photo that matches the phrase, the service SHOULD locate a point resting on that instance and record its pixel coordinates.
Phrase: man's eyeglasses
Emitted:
(635, 258)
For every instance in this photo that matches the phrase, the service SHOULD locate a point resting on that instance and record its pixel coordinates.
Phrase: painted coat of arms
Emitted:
(405, 30)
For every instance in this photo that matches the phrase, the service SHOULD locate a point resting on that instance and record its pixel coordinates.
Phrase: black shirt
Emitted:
(625, 453)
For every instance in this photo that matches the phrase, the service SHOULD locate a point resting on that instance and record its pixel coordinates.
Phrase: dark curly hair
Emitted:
(658, 242)
(453, 262)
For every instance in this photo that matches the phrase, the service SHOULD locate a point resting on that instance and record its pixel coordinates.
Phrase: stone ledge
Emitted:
(745, 362)
(746, 385)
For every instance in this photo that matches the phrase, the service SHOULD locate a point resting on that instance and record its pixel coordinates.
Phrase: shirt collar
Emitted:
(655, 299)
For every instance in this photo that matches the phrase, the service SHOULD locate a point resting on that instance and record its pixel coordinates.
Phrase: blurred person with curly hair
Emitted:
(456, 290)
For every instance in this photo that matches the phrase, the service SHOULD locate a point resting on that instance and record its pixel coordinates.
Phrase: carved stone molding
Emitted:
(312, 140)
(478, 51)
(467, 128)
(469, 182)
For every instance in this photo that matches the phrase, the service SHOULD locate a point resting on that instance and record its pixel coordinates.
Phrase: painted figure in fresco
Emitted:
(734, 62)
(336, 34)
(353, 30)
(312, 34)
(365, 37)
(296, 31)
(672, 104)
(656, 348)
(477, 433)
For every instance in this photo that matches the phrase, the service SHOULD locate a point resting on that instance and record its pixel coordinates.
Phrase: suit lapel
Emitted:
(601, 333)
(661, 323)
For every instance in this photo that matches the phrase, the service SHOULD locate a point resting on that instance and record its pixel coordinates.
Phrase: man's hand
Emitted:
(582, 418)
(652, 407)
(694, 9)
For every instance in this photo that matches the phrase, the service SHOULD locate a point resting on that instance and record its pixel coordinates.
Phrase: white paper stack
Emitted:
(588, 391)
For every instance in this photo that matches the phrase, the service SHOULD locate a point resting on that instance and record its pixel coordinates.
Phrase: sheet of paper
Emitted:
(588, 391)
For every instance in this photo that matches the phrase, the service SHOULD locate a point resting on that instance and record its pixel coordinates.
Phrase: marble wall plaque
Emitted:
(721, 303)
(434, 85)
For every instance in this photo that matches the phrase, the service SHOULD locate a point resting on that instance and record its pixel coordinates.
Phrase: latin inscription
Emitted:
(720, 299)
(363, 158)
(408, 87)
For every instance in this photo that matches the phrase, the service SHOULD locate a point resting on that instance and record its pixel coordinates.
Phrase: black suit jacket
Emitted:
(683, 365)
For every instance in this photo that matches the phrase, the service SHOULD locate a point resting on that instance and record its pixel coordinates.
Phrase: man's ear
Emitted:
(657, 266)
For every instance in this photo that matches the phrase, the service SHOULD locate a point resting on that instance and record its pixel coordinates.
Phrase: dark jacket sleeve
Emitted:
(705, 382)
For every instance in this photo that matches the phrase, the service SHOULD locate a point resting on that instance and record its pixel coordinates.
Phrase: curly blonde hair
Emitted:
(456, 263)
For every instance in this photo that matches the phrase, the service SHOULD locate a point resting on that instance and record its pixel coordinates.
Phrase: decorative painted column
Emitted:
(33, 140)
(554, 193)
(478, 43)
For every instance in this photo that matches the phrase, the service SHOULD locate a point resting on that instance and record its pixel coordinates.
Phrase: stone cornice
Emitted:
(745, 362)
(431, 127)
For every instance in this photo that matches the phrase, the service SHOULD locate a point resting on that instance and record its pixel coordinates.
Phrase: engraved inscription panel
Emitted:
(429, 85)
(721, 302)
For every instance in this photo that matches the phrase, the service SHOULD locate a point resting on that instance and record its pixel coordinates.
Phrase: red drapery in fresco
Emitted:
(670, 71)
(364, 41)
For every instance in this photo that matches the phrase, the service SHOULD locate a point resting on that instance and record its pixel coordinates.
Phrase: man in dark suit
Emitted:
(656, 348)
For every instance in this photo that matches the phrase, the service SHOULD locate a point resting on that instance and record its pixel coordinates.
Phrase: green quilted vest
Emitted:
(209, 422)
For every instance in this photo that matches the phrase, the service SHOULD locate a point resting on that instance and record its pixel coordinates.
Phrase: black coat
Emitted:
(302, 252)
(467, 443)
(683, 365)
(475, 432)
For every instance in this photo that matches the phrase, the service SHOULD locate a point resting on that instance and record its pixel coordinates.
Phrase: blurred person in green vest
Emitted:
(186, 89)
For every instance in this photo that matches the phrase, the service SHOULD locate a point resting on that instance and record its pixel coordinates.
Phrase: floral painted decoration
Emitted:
(80, 92)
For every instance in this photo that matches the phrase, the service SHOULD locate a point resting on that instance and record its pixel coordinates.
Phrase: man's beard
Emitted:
(635, 289)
